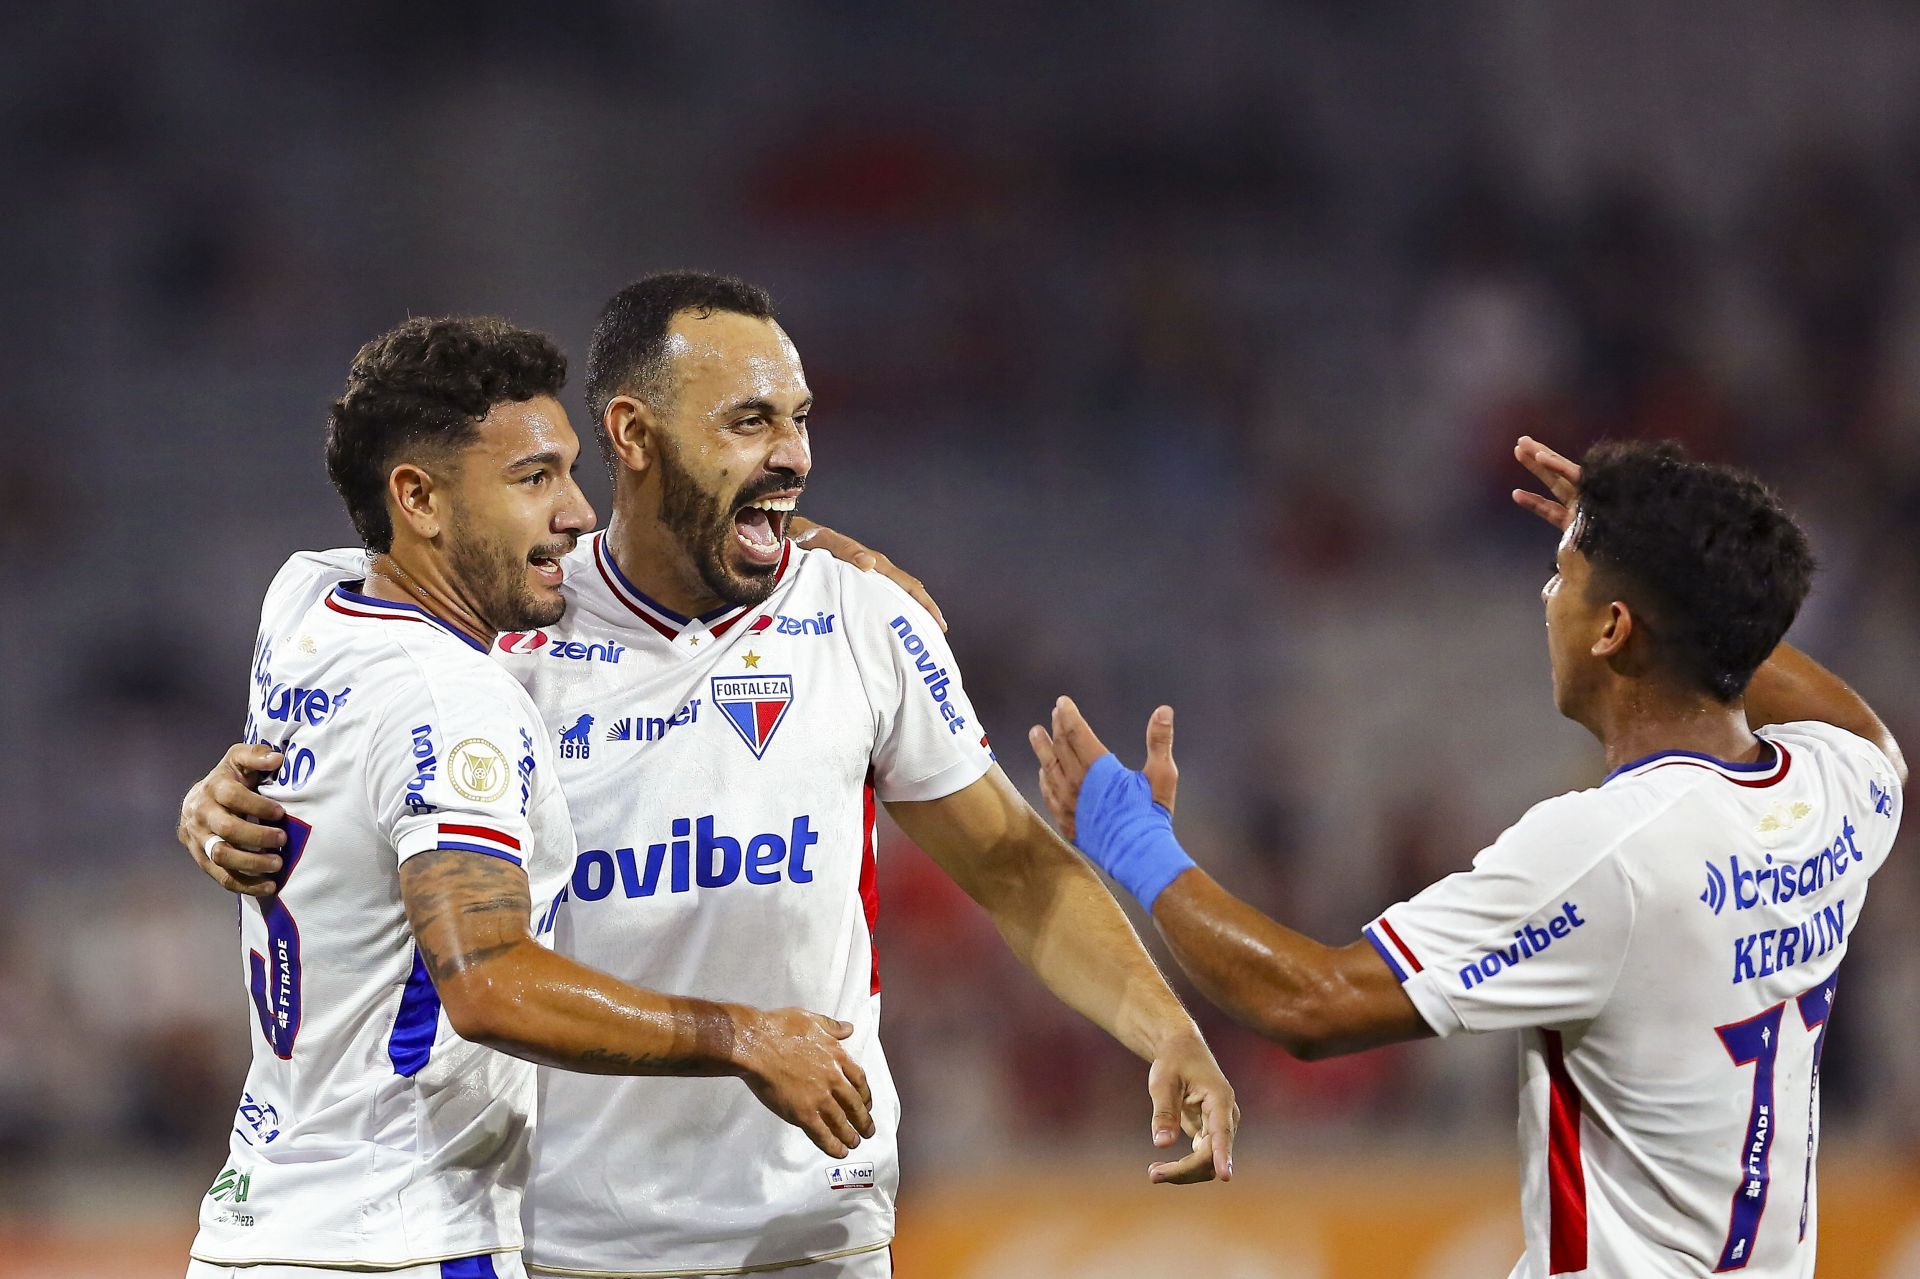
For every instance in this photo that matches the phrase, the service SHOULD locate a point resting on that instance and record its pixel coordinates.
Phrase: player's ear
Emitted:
(415, 499)
(630, 426)
(1614, 632)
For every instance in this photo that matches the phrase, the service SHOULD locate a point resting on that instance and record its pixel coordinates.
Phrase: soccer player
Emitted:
(417, 791)
(729, 710)
(1668, 943)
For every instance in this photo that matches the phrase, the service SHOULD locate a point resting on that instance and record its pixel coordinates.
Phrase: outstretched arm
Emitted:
(1063, 924)
(1313, 1000)
(1789, 685)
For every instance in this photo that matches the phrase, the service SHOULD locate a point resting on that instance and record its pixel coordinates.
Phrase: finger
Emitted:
(1560, 474)
(236, 796)
(1545, 507)
(822, 1136)
(240, 862)
(1074, 738)
(1163, 775)
(244, 834)
(245, 885)
(838, 1029)
(859, 1110)
(1165, 1090)
(1196, 1167)
(858, 1078)
(252, 757)
(840, 1124)
(1221, 1128)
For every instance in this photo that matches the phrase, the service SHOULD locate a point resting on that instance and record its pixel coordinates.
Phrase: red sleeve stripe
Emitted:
(1406, 952)
(479, 832)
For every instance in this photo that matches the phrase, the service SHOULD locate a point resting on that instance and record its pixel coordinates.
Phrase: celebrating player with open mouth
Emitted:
(1668, 942)
(727, 710)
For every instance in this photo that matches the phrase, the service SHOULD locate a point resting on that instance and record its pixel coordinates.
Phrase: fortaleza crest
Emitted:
(754, 705)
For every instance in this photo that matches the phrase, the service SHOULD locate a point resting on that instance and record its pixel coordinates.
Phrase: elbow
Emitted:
(480, 1007)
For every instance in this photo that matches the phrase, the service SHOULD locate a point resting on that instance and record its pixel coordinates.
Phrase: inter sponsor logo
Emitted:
(651, 728)
(932, 674)
(1528, 941)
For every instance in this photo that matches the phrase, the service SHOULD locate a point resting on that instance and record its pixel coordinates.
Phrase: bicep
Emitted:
(465, 908)
(982, 834)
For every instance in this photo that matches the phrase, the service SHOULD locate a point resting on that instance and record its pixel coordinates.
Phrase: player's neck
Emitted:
(650, 556)
(405, 576)
(1639, 722)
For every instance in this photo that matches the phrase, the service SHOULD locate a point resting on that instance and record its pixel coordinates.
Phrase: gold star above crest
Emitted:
(752, 659)
(693, 641)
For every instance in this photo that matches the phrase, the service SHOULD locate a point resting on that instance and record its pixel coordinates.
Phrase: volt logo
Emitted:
(755, 705)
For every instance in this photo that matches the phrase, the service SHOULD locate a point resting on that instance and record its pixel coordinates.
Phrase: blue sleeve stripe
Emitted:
(480, 1267)
(1399, 973)
(455, 845)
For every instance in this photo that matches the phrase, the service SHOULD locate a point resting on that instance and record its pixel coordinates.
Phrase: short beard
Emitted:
(497, 580)
(704, 530)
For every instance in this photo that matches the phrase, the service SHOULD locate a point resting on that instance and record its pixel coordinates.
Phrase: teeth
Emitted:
(775, 503)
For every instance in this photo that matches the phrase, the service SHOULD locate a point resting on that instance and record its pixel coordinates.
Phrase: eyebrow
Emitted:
(767, 407)
(549, 458)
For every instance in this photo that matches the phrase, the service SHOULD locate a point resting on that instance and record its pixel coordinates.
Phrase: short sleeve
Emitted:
(930, 742)
(451, 766)
(1533, 935)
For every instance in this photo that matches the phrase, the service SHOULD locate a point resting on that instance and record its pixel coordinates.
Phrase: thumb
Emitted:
(1163, 775)
(840, 1029)
(1165, 1088)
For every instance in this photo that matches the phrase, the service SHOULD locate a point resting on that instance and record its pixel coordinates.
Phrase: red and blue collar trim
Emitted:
(661, 618)
(1764, 772)
(353, 604)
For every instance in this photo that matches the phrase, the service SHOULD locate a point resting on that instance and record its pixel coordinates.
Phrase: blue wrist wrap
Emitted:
(1125, 833)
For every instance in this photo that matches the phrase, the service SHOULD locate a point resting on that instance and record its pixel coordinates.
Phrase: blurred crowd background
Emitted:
(1180, 348)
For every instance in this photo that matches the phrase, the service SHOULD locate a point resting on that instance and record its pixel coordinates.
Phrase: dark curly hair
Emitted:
(420, 390)
(1703, 554)
(628, 352)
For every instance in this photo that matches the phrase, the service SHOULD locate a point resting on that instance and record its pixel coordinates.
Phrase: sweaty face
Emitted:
(1572, 624)
(517, 512)
(732, 450)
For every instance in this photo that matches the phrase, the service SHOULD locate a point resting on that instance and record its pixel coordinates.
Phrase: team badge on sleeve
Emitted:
(755, 705)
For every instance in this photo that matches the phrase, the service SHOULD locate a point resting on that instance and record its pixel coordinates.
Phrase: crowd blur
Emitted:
(1180, 348)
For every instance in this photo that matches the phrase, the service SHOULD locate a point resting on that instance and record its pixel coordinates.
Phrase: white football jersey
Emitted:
(369, 1134)
(722, 773)
(1669, 945)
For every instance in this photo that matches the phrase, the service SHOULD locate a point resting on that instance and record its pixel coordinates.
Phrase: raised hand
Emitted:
(796, 1066)
(1560, 475)
(1069, 751)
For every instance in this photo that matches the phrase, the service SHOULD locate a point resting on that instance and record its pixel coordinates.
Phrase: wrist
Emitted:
(741, 1052)
(1126, 833)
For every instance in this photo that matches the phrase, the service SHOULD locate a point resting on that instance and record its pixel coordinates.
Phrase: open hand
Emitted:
(1067, 753)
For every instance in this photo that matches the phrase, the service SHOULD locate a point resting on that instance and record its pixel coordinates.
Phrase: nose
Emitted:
(791, 452)
(573, 514)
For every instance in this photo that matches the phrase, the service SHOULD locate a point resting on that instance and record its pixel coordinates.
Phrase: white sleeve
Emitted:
(1869, 776)
(1533, 935)
(451, 766)
(928, 743)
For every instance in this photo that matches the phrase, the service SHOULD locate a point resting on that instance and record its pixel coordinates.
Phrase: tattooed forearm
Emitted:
(471, 920)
